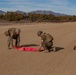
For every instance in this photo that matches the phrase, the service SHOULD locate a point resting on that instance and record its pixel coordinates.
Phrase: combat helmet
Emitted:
(17, 30)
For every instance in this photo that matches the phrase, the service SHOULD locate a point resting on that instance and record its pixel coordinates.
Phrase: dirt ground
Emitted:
(61, 62)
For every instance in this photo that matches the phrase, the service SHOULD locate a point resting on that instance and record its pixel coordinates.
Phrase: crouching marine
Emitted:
(13, 34)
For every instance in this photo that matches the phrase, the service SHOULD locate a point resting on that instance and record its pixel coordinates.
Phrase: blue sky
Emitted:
(59, 6)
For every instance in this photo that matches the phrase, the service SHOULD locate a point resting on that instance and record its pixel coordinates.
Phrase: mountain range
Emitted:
(2, 12)
(37, 12)
(47, 12)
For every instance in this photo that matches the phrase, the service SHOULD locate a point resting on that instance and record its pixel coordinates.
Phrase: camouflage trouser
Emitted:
(47, 46)
(17, 40)
(9, 41)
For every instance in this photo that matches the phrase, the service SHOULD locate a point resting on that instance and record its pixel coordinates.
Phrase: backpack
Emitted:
(49, 38)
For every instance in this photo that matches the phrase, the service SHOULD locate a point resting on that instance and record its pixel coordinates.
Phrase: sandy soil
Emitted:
(61, 62)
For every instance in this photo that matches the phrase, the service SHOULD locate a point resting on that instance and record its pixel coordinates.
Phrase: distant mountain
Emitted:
(37, 12)
(2, 12)
(47, 12)
(18, 11)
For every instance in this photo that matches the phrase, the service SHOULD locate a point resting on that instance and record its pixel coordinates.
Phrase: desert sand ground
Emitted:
(61, 62)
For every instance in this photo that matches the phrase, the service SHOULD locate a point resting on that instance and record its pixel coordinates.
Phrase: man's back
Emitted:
(47, 37)
(11, 30)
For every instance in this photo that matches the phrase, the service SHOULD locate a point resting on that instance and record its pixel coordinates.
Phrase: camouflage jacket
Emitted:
(12, 32)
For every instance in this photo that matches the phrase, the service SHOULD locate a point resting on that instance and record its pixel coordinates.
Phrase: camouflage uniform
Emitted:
(47, 41)
(13, 33)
